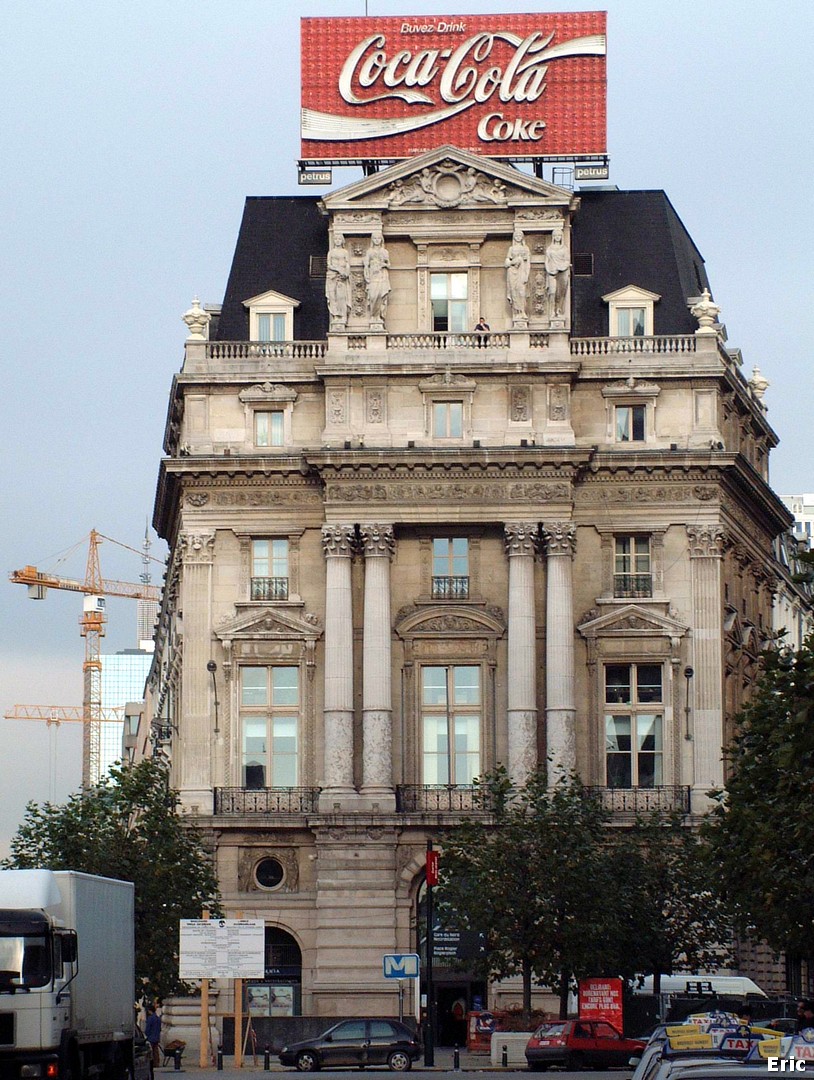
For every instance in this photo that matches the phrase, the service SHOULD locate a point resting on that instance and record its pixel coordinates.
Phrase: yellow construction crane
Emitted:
(92, 629)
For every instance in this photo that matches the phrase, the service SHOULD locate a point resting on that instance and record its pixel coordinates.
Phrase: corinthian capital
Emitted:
(378, 540)
(196, 547)
(706, 541)
(338, 540)
(520, 538)
(560, 538)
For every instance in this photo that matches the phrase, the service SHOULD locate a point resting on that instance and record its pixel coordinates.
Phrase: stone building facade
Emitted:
(404, 549)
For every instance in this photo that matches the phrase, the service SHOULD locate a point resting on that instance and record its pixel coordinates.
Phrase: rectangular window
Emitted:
(271, 327)
(269, 702)
(268, 428)
(450, 568)
(634, 749)
(448, 419)
(632, 572)
(630, 321)
(630, 423)
(448, 295)
(269, 570)
(451, 723)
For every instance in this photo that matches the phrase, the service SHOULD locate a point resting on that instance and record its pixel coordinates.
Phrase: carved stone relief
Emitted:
(521, 404)
(196, 547)
(560, 538)
(375, 406)
(250, 857)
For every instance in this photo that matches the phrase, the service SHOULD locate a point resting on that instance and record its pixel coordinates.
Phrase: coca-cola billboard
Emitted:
(515, 86)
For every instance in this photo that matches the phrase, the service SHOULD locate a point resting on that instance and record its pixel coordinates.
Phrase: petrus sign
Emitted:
(400, 965)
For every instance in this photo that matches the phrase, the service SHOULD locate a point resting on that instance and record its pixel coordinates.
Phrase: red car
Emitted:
(580, 1044)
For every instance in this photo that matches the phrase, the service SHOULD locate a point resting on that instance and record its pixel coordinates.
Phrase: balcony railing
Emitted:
(632, 584)
(240, 801)
(640, 800)
(249, 350)
(269, 588)
(437, 798)
(448, 340)
(450, 588)
(613, 346)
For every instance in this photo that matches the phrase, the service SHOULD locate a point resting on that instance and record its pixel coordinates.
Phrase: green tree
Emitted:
(128, 828)
(760, 830)
(531, 877)
(674, 915)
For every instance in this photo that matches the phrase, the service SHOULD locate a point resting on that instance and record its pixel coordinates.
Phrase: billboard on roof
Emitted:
(513, 86)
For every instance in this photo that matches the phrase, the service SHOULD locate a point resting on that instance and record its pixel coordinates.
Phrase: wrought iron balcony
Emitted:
(668, 798)
(450, 588)
(240, 801)
(632, 584)
(269, 588)
(438, 798)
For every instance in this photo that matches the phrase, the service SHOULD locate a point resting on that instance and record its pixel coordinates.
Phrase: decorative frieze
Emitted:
(449, 492)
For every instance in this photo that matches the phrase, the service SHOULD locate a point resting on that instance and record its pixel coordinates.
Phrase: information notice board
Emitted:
(222, 949)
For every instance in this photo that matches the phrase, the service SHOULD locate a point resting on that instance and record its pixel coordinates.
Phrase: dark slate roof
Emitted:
(635, 238)
(278, 235)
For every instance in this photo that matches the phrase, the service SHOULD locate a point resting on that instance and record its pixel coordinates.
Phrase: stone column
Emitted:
(521, 717)
(338, 545)
(706, 544)
(194, 747)
(378, 544)
(560, 542)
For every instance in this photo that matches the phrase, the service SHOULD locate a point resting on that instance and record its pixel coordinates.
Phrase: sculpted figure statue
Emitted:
(337, 283)
(518, 265)
(377, 278)
(558, 272)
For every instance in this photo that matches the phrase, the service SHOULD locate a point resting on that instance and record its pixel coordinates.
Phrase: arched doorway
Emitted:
(457, 990)
(279, 992)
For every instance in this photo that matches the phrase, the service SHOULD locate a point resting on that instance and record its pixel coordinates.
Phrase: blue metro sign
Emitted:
(400, 965)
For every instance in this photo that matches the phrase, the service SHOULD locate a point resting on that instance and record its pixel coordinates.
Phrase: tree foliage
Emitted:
(532, 879)
(760, 830)
(128, 828)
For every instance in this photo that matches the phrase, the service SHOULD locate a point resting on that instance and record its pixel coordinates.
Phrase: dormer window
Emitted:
(630, 312)
(271, 317)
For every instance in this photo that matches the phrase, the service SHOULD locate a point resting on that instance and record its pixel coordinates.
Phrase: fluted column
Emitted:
(521, 714)
(560, 542)
(706, 544)
(378, 544)
(338, 543)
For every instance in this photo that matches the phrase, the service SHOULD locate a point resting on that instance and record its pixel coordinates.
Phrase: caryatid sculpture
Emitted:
(558, 272)
(518, 266)
(377, 279)
(337, 284)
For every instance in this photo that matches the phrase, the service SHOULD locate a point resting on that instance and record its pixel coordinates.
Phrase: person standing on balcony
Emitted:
(337, 284)
(482, 326)
(518, 266)
(377, 279)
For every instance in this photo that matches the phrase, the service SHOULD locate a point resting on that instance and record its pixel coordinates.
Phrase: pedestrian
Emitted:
(482, 324)
(152, 1032)
(805, 1014)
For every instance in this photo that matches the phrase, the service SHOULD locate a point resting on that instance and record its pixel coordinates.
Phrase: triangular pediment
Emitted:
(271, 297)
(269, 624)
(631, 619)
(448, 178)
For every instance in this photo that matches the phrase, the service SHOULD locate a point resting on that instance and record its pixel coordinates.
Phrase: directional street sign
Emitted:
(400, 965)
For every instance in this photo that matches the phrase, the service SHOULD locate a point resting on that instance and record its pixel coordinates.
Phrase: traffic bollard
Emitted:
(267, 1059)
(456, 1059)
(177, 1058)
(220, 1059)
(504, 1057)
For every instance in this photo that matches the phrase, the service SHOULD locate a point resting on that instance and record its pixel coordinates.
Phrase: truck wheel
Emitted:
(307, 1061)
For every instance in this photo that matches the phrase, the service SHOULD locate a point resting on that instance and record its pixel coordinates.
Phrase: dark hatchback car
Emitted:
(580, 1044)
(356, 1044)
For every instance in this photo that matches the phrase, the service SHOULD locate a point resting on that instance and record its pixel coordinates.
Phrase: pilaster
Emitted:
(521, 716)
(560, 544)
(378, 545)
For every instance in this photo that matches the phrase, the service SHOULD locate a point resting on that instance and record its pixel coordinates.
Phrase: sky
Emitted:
(130, 136)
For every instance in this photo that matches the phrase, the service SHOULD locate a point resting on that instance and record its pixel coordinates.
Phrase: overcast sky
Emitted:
(132, 132)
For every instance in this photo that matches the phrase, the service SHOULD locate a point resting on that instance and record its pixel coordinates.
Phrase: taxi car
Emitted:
(578, 1044)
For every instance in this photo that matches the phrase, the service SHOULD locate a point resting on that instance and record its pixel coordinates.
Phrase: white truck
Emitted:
(67, 977)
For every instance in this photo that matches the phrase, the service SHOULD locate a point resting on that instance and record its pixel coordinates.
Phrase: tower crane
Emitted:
(92, 628)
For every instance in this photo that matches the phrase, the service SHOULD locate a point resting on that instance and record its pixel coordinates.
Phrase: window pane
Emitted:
(351, 1029)
(466, 681)
(264, 328)
(458, 316)
(254, 686)
(279, 558)
(440, 415)
(648, 733)
(456, 419)
(617, 734)
(457, 286)
(440, 557)
(284, 751)
(260, 558)
(642, 549)
(439, 288)
(623, 423)
(279, 327)
(619, 771)
(648, 682)
(623, 554)
(436, 750)
(638, 423)
(435, 685)
(467, 749)
(268, 428)
(617, 683)
(285, 686)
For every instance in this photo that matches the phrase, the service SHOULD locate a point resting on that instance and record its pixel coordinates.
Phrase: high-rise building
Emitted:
(123, 677)
(802, 506)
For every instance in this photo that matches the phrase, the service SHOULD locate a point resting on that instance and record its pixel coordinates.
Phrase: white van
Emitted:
(700, 985)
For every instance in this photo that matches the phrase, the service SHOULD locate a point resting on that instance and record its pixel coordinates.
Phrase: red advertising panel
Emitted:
(432, 867)
(515, 86)
(601, 999)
